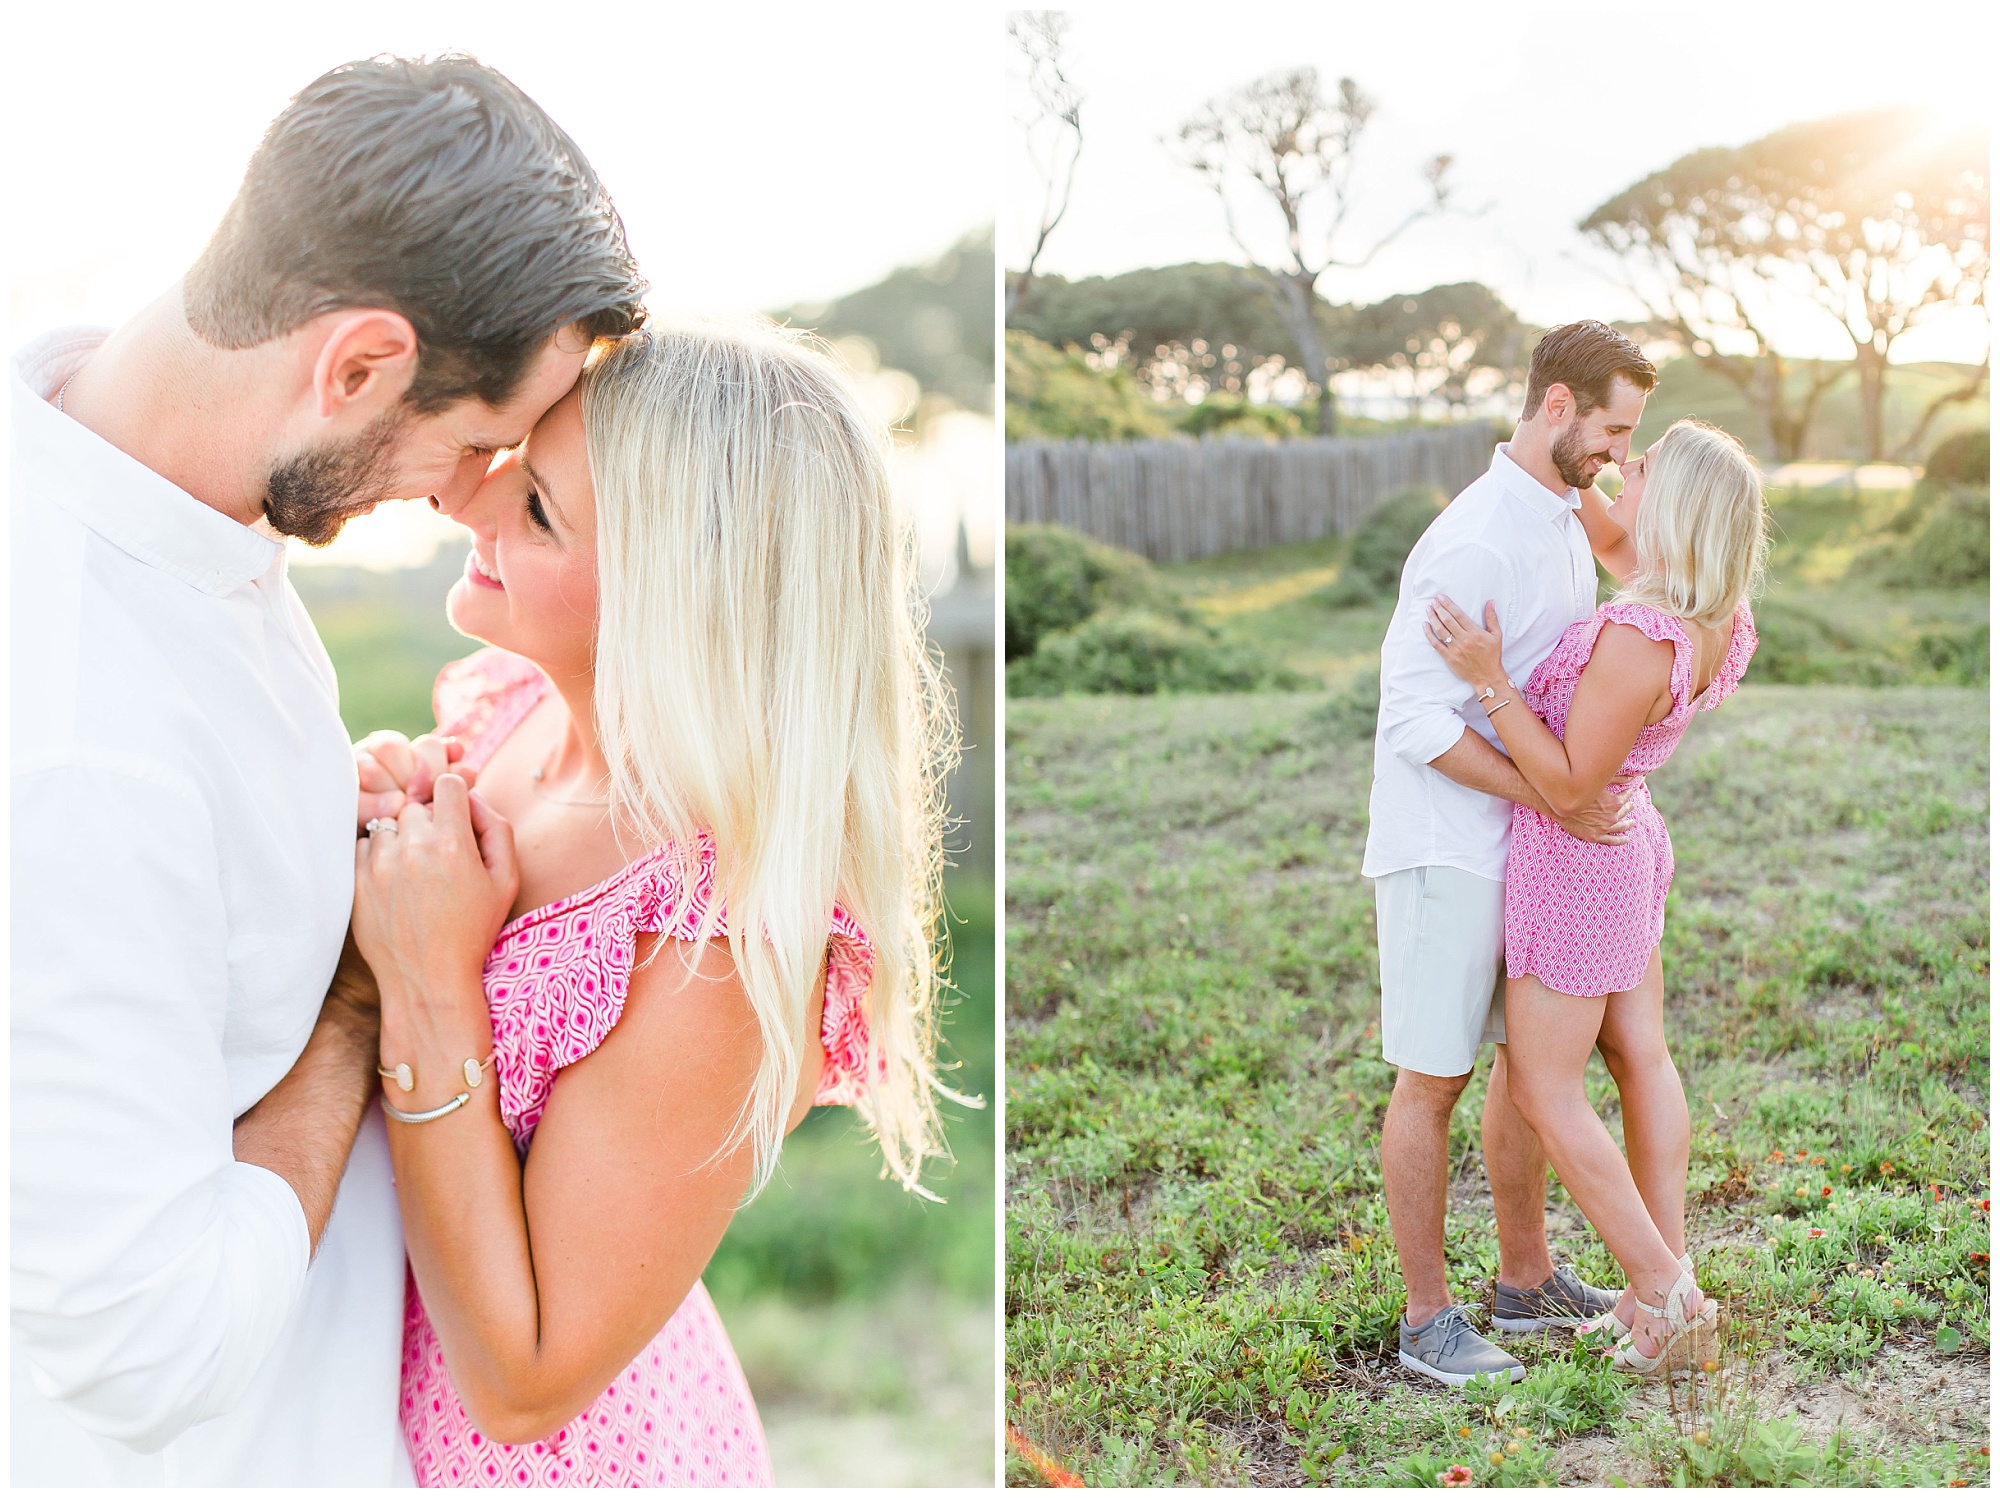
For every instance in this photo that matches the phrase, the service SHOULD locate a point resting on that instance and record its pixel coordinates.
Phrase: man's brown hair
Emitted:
(432, 187)
(1586, 356)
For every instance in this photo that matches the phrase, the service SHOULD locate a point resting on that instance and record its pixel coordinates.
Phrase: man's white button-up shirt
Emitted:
(1510, 540)
(183, 864)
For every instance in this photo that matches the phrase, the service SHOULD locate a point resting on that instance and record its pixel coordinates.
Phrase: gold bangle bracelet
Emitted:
(405, 1076)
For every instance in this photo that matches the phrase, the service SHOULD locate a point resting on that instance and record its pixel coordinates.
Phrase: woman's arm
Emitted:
(1610, 542)
(544, 1283)
(1616, 697)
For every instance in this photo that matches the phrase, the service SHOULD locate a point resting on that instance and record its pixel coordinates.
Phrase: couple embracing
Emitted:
(376, 1108)
(1521, 870)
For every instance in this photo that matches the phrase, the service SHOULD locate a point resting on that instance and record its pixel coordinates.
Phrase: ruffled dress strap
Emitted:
(1735, 660)
(843, 1023)
(578, 955)
(483, 698)
(1655, 624)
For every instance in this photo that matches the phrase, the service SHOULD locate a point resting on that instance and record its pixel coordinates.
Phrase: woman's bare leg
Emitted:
(1547, 1054)
(1633, 1042)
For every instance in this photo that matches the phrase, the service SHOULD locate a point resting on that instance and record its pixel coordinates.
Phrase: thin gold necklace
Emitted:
(540, 770)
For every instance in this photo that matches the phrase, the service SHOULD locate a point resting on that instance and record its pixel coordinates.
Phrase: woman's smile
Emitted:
(479, 574)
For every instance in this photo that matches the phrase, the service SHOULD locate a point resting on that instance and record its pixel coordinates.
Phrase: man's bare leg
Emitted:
(1517, 1169)
(1416, 1138)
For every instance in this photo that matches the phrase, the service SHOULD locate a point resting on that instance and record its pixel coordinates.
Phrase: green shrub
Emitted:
(1381, 545)
(1140, 652)
(1224, 413)
(1054, 393)
(1795, 647)
(1056, 579)
(1953, 548)
(1962, 458)
(1958, 655)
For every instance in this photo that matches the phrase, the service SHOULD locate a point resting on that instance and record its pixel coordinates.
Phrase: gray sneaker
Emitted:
(1562, 1299)
(1447, 1349)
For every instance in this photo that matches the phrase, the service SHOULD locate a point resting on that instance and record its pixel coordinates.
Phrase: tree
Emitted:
(1866, 224)
(1296, 149)
(1179, 326)
(1454, 343)
(933, 321)
(1054, 128)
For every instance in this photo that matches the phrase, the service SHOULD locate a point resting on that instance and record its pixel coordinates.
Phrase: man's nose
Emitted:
(457, 491)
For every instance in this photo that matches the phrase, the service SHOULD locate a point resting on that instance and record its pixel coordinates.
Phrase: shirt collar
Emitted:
(1530, 490)
(113, 493)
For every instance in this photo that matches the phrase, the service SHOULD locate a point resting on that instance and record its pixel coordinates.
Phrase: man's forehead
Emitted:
(548, 380)
(1626, 405)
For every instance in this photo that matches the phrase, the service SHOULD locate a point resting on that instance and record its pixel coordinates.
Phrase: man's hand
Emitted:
(395, 771)
(1474, 763)
(1609, 821)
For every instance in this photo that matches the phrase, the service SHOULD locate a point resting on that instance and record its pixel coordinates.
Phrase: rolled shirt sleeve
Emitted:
(152, 1272)
(1422, 711)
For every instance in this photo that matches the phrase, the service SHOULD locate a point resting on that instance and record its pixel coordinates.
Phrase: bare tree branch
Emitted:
(1282, 135)
(1057, 116)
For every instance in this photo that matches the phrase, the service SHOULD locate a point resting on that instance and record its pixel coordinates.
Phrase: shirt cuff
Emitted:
(270, 1249)
(1422, 738)
(244, 1296)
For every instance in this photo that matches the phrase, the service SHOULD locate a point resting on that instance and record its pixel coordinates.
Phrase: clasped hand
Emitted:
(393, 771)
(431, 894)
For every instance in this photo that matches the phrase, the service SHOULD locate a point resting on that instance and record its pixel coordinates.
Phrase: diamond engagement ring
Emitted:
(379, 824)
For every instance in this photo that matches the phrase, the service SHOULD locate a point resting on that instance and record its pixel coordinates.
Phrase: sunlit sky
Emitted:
(1547, 112)
(761, 156)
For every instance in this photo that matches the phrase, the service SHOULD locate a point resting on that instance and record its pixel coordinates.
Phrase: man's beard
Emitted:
(312, 494)
(1569, 455)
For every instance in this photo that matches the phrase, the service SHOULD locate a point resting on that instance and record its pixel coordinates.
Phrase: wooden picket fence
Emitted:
(1175, 501)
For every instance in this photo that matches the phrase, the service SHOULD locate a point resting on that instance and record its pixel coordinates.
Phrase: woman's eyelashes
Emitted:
(537, 515)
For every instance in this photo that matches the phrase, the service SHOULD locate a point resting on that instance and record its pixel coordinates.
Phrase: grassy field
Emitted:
(1201, 1287)
(863, 1316)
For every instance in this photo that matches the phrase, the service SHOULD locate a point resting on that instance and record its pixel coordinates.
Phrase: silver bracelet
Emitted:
(451, 1107)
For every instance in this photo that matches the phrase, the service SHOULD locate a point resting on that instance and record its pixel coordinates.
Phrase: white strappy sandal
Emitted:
(1690, 1340)
(1608, 1321)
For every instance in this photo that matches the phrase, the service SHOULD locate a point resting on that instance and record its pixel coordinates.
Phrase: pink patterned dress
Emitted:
(681, 1415)
(1583, 917)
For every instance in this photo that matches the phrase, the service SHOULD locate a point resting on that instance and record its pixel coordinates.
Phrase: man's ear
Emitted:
(1557, 402)
(367, 361)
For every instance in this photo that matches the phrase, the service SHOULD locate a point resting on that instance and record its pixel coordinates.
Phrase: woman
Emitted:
(1584, 920)
(707, 743)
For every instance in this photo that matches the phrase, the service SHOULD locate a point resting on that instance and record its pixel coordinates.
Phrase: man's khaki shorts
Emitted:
(1442, 936)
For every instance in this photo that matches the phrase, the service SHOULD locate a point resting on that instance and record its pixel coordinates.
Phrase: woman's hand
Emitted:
(1472, 652)
(431, 894)
(395, 771)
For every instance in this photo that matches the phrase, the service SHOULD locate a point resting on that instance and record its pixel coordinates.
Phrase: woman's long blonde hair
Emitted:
(1702, 533)
(762, 676)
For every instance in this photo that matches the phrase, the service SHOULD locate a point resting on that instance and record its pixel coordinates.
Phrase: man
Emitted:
(207, 1289)
(1438, 820)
